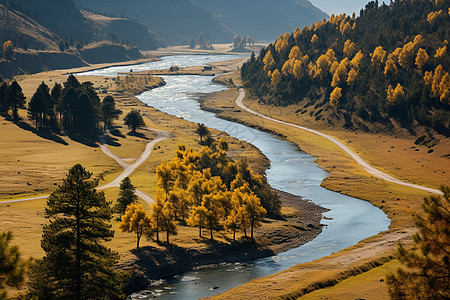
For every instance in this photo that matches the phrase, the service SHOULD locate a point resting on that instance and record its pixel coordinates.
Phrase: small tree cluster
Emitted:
(209, 190)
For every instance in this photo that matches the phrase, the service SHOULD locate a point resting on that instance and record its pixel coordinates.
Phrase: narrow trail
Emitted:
(368, 168)
(128, 169)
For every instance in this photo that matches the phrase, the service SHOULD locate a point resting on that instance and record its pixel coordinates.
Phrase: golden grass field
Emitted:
(42, 163)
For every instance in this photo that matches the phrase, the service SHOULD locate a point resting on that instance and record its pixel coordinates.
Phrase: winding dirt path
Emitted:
(368, 168)
(128, 169)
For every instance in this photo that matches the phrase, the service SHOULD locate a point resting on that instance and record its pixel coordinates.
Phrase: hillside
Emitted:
(69, 37)
(383, 70)
(263, 20)
(177, 22)
(24, 31)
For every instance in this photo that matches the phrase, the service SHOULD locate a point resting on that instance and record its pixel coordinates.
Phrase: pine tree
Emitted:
(12, 267)
(14, 98)
(76, 264)
(109, 111)
(428, 265)
(202, 131)
(134, 120)
(127, 196)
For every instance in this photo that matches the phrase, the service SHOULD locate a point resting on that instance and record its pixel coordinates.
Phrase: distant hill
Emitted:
(177, 22)
(88, 38)
(180, 21)
(386, 69)
(24, 31)
(263, 20)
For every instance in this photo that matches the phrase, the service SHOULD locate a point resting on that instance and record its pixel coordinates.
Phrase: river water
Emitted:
(348, 221)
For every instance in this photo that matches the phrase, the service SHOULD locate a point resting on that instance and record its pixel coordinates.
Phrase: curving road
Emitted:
(128, 169)
(368, 168)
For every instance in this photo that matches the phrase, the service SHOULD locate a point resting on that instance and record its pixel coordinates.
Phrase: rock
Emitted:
(136, 282)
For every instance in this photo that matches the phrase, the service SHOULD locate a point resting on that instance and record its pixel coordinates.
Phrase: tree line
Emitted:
(71, 107)
(390, 62)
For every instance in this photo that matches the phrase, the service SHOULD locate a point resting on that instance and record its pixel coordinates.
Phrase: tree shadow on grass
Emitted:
(112, 141)
(116, 132)
(87, 138)
(43, 133)
(137, 134)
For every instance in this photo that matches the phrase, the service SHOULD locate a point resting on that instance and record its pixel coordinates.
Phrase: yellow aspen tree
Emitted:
(299, 70)
(444, 88)
(421, 58)
(297, 33)
(168, 222)
(356, 60)
(406, 55)
(8, 50)
(441, 51)
(136, 220)
(232, 221)
(165, 177)
(276, 78)
(314, 39)
(418, 40)
(198, 218)
(351, 76)
(336, 80)
(334, 67)
(437, 78)
(390, 94)
(398, 91)
(253, 210)
(295, 53)
(346, 28)
(428, 78)
(349, 48)
(390, 68)
(269, 62)
(156, 214)
(378, 56)
(288, 67)
(335, 95)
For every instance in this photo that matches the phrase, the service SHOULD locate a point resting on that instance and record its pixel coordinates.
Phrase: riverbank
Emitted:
(301, 222)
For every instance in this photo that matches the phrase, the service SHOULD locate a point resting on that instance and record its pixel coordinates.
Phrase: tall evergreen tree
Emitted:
(428, 273)
(202, 131)
(109, 111)
(3, 105)
(14, 98)
(83, 113)
(41, 106)
(12, 267)
(76, 264)
(127, 196)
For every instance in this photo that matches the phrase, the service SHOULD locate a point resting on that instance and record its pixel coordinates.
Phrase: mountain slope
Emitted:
(384, 70)
(176, 21)
(24, 31)
(263, 20)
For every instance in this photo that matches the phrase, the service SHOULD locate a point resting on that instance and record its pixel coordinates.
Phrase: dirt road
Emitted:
(128, 169)
(368, 168)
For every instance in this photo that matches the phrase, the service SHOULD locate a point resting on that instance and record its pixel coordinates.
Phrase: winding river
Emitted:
(348, 221)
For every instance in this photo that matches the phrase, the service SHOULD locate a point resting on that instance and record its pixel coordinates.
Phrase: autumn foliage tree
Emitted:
(426, 271)
(136, 220)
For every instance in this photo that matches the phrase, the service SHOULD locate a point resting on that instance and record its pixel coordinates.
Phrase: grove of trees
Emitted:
(389, 63)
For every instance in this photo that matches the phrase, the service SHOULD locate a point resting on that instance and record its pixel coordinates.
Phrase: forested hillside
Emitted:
(388, 66)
